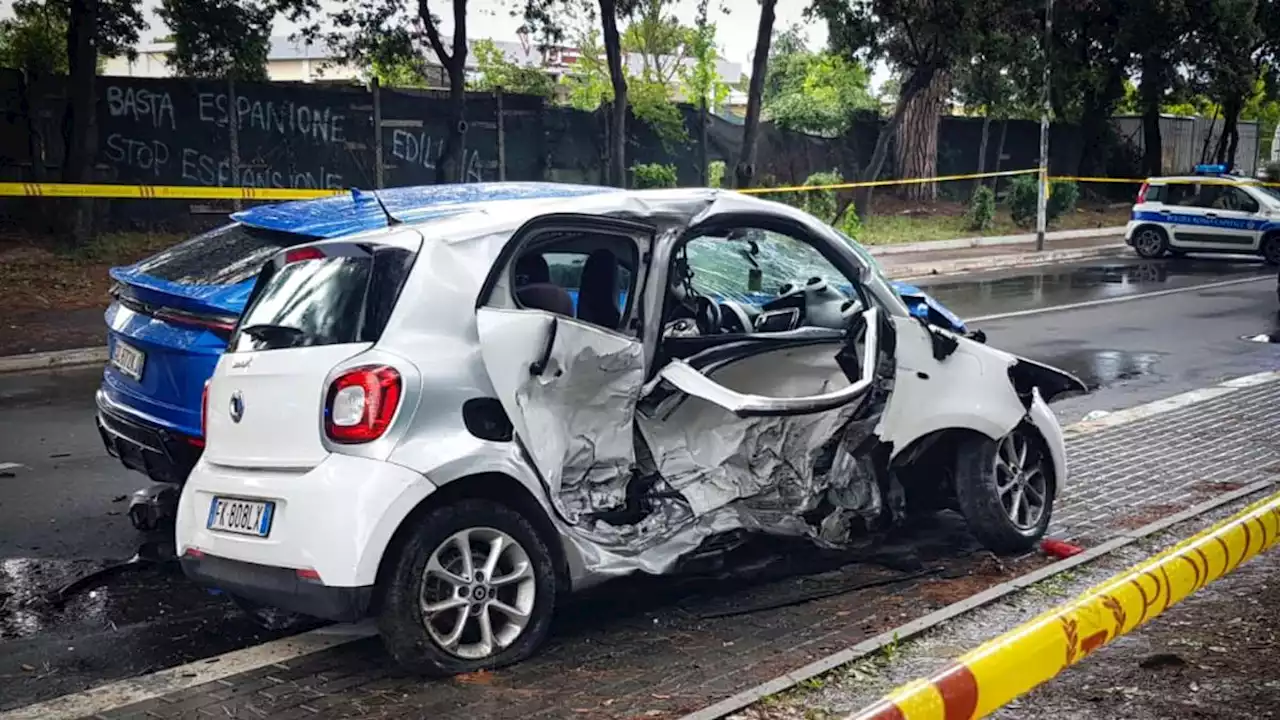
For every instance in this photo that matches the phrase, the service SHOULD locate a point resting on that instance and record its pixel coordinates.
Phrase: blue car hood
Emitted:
(922, 305)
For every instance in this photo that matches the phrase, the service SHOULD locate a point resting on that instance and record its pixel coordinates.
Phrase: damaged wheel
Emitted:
(472, 588)
(1005, 490)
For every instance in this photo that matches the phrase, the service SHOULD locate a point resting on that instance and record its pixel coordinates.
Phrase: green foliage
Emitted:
(395, 72)
(219, 38)
(1024, 198)
(496, 72)
(822, 204)
(815, 93)
(1063, 197)
(659, 39)
(35, 38)
(715, 173)
(982, 208)
(653, 175)
(702, 78)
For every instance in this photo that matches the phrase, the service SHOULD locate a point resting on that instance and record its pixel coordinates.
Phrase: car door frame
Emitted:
(685, 377)
(500, 278)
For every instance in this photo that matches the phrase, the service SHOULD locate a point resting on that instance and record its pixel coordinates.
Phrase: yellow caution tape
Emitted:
(1000, 670)
(159, 192)
(881, 183)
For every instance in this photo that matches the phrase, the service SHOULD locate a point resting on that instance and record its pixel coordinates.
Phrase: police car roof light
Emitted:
(1210, 169)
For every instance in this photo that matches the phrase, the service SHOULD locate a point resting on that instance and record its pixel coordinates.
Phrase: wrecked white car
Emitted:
(451, 423)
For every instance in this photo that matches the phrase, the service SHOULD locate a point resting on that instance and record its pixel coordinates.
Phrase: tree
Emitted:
(659, 39)
(996, 83)
(816, 93)
(497, 73)
(1149, 29)
(392, 34)
(95, 29)
(35, 38)
(702, 82)
(219, 38)
(745, 171)
(920, 38)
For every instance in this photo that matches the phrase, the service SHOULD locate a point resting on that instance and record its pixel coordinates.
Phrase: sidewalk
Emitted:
(51, 331)
(660, 649)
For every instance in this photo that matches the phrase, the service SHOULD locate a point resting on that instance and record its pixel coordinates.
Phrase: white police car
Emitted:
(1210, 211)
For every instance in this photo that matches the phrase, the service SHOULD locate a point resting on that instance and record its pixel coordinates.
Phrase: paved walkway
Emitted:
(659, 649)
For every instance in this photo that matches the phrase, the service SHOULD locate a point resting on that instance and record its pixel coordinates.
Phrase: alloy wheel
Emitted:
(1021, 482)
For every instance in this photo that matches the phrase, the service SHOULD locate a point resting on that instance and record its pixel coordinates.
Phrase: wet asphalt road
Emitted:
(63, 510)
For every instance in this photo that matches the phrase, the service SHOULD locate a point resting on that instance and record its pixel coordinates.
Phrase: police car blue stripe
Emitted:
(1202, 221)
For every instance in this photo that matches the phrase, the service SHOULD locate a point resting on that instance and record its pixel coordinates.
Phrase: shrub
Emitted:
(820, 203)
(850, 224)
(653, 175)
(1023, 198)
(715, 174)
(1063, 197)
(982, 208)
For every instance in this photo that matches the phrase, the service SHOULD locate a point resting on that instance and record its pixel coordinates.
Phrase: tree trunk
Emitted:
(1095, 123)
(1152, 92)
(618, 79)
(982, 144)
(1004, 133)
(1208, 137)
(918, 80)
(745, 171)
(79, 124)
(452, 165)
(917, 146)
(1229, 140)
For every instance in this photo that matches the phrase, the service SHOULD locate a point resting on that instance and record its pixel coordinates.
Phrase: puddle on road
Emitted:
(134, 596)
(1102, 368)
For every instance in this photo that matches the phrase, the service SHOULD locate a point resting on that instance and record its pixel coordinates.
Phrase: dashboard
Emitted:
(811, 303)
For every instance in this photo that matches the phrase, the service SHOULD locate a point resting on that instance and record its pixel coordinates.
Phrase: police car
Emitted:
(1210, 211)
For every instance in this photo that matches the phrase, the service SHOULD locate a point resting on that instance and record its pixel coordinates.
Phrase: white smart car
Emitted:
(450, 423)
(1206, 212)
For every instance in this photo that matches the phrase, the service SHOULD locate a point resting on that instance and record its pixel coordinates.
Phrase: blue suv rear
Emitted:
(174, 312)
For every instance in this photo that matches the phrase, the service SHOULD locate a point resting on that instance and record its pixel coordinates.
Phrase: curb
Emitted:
(55, 359)
(1015, 260)
(973, 602)
(981, 241)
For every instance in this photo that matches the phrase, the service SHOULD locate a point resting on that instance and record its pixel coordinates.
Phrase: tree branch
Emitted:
(433, 33)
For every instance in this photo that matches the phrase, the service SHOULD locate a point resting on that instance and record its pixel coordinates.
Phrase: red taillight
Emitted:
(1142, 193)
(217, 323)
(301, 254)
(308, 574)
(204, 417)
(361, 403)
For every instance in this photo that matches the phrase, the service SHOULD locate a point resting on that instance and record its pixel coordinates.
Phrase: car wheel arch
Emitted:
(495, 487)
(940, 442)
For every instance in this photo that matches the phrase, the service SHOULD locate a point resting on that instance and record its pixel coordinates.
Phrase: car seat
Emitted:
(534, 288)
(598, 290)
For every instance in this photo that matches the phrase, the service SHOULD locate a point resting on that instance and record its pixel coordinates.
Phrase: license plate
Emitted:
(243, 517)
(129, 359)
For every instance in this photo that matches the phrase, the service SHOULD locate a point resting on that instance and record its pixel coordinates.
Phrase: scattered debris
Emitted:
(1060, 549)
(1161, 660)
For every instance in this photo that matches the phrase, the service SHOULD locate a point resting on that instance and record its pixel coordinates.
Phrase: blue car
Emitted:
(173, 312)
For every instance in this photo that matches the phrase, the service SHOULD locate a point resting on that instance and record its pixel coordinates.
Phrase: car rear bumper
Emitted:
(336, 519)
(278, 588)
(160, 453)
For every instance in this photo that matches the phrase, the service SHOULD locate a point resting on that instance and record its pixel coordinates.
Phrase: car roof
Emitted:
(1201, 178)
(359, 211)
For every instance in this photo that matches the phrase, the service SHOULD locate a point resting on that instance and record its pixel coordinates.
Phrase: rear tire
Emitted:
(1005, 489)
(1150, 242)
(1271, 249)
(422, 611)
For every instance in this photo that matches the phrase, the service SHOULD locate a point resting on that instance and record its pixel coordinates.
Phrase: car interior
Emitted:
(578, 275)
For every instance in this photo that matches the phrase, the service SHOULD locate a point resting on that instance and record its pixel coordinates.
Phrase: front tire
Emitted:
(1271, 249)
(472, 588)
(1005, 489)
(1150, 242)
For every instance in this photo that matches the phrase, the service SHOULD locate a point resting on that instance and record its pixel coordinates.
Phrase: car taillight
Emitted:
(220, 324)
(361, 403)
(1142, 193)
(301, 254)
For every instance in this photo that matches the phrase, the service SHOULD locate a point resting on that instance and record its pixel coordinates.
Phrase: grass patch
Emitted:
(899, 228)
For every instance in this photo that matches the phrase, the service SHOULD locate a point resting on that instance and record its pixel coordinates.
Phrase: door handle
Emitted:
(1212, 214)
(539, 366)
(1165, 211)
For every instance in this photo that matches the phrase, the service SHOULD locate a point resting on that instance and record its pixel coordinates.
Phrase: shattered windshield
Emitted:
(752, 266)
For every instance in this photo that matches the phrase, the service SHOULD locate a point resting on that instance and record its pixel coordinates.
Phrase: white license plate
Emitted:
(243, 517)
(129, 359)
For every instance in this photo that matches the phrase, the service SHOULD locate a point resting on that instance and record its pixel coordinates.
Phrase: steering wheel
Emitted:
(707, 315)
